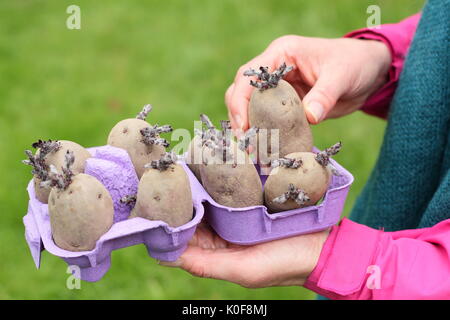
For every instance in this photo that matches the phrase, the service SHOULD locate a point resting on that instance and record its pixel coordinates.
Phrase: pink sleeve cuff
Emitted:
(358, 262)
(397, 38)
(341, 272)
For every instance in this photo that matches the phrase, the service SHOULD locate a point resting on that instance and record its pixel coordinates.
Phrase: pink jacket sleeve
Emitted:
(398, 38)
(358, 262)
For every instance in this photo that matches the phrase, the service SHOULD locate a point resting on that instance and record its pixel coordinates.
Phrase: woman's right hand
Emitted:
(334, 77)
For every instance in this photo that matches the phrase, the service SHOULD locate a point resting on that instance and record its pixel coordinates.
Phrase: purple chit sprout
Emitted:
(144, 113)
(225, 134)
(323, 157)
(218, 141)
(219, 146)
(60, 180)
(204, 134)
(166, 161)
(207, 122)
(129, 199)
(208, 133)
(46, 147)
(287, 163)
(40, 168)
(150, 135)
(266, 80)
(245, 142)
(225, 125)
(293, 193)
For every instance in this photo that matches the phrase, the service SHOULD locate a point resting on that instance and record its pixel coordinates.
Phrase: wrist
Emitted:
(381, 55)
(316, 249)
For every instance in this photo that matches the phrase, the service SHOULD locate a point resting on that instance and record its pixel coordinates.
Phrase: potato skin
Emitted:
(58, 160)
(126, 135)
(311, 177)
(280, 108)
(81, 214)
(194, 155)
(232, 185)
(165, 195)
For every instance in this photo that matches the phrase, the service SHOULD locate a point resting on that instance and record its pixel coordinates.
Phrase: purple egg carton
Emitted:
(113, 167)
(252, 225)
(245, 226)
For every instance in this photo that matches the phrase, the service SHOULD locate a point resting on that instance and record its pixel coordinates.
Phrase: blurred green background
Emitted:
(178, 55)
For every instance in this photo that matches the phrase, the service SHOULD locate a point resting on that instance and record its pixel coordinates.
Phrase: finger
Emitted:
(205, 238)
(323, 95)
(239, 97)
(237, 132)
(238, 102)
(228, 94)
(217, 264)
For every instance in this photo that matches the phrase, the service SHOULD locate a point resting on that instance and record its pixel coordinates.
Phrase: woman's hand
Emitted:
(334, 77)
(285, 262)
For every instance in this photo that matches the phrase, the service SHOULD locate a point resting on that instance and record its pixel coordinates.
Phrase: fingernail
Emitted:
(316, 109)
(176, 263)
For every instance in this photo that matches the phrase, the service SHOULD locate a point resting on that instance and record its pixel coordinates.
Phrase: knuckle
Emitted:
(240, 72)
(242, 69)
(285, 40)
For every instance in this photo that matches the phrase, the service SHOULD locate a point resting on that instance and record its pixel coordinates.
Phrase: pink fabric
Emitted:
(397, 37)
(412, 264)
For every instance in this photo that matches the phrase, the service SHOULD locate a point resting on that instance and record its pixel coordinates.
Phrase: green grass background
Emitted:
(178, 55)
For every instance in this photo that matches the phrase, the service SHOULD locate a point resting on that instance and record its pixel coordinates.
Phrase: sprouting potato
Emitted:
(227, 172)
(164, 193)
(53, 153)
(194, 157)
(81, 214)
(233, 185)
(300, 179)
(139, 139)
(274, 104)
(81, 209)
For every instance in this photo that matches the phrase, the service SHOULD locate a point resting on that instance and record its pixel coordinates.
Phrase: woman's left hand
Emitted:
(285, 262)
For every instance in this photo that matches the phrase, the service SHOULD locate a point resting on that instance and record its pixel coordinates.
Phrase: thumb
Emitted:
(322, 98)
